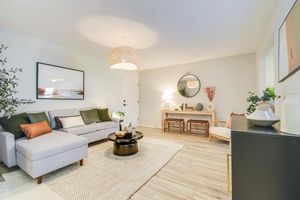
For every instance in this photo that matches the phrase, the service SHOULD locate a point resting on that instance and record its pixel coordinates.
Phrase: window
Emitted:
(267, 66)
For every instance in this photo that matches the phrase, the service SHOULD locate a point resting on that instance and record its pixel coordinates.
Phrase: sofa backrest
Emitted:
(64, 113)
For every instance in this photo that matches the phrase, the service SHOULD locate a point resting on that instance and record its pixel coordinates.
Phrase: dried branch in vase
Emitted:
(210, 91)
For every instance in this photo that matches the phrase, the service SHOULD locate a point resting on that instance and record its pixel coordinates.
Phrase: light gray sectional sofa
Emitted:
(92, 132)
(49, 152)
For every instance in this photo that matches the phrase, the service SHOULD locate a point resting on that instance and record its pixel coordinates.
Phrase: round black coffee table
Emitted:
(124, 146)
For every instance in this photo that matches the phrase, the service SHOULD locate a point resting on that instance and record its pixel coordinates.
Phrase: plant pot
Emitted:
(267, 104)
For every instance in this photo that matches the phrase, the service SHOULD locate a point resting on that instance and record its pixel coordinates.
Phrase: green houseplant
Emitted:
(269, 96)
(120, 114)
(8, 87)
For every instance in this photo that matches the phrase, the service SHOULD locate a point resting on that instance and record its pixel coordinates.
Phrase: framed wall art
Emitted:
(289, 44)
(57, 82)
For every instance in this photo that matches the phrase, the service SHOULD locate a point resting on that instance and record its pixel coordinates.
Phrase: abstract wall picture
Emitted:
(56, 82)
(289, 44)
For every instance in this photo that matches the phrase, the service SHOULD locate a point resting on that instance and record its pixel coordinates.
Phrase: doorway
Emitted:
(130, 101)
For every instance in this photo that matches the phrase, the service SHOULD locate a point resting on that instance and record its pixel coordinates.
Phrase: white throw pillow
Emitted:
(69, 122)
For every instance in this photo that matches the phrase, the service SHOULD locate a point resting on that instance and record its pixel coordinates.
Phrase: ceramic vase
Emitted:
(210, 107)
(290, 112)
(199, 107)
(263, 116)
(267, 104)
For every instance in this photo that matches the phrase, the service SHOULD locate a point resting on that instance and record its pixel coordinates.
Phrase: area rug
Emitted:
(103, 176)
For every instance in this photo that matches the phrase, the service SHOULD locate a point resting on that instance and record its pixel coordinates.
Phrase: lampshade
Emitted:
(123, 58)
(166, 96)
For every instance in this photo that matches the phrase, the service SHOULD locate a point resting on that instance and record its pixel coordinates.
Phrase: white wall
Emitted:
(102, 85)
(291, 85)
(232, 76)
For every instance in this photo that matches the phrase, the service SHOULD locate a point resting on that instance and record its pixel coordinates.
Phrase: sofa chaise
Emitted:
(49, 152)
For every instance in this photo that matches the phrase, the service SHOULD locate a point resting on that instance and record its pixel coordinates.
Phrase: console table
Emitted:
(165, 114)
(265, 162)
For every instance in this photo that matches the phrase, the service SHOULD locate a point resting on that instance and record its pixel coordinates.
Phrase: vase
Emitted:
(267, 104)
(199, 107)
(290, 111)
(210, 107)
(263, 116)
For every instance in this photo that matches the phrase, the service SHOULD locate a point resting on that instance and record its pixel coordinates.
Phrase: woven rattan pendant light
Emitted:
(123, 57)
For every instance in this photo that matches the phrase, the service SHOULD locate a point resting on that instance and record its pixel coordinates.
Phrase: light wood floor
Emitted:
(197, 171)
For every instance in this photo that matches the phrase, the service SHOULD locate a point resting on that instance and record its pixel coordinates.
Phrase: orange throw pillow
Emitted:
(35, 129)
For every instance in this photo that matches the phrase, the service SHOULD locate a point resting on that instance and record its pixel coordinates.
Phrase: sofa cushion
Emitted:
(69, 122)
(64, 113)
(104, 115)
(81, 129)
(49, 144)
(90, 116)
(12, 124)
(38, 117)
(36, 129)
(221, 131)
(105, 125)
(58, 124)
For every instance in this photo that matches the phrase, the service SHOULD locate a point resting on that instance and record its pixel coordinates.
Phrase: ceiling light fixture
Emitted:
(123, 57)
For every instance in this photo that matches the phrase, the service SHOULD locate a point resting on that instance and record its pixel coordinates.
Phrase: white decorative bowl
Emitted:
(263, 116)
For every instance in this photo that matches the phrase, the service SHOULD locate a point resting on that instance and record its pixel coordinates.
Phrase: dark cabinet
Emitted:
(265, 163)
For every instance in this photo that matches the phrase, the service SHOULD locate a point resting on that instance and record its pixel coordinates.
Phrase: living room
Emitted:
(149, 100)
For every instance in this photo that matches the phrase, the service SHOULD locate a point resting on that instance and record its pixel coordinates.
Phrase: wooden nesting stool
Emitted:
(179, 124)
(202, 123)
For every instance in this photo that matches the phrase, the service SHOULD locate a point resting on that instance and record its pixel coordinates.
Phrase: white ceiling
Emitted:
(165, 32)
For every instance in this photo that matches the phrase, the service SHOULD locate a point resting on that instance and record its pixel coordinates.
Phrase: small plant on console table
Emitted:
(8, 87)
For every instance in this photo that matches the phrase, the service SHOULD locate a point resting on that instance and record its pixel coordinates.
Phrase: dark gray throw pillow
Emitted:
(13, 123)
(38, 117)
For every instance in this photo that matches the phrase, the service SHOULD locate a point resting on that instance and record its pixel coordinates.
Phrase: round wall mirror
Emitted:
(188, 85)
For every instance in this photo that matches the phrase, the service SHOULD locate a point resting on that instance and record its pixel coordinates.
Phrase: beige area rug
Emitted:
(103, 176)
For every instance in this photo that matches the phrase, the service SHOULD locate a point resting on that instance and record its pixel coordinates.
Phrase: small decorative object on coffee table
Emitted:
(125, 143)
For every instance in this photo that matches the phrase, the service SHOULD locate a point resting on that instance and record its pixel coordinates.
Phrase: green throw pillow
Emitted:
(90, 116)
(104, 115)
(38, 117)
(13, 123)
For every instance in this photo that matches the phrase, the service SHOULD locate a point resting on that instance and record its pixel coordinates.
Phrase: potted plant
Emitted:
(119, 114)
(268, 98)
(8, 87)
